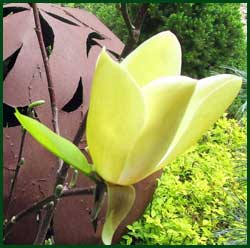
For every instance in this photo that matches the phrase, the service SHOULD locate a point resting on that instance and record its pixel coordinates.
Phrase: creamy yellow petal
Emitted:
(211, 98)
(116, 115)
(166, 100)
(157, 57)
(120, 202)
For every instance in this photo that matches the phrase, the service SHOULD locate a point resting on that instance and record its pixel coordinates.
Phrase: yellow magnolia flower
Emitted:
(143, 114)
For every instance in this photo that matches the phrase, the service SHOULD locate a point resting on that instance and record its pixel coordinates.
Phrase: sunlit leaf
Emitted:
(56, 144)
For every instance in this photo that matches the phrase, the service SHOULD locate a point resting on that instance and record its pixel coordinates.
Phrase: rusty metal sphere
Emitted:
(73, 39)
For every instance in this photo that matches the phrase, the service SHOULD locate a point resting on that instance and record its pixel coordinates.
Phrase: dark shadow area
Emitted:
(116, 55)
(62, 19)
(10, 62)
(9, 119)
(48, 35)
(77, 99)
(12, 10)
(91, 42)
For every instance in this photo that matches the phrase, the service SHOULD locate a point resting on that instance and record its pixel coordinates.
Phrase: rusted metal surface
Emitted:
(74, 39)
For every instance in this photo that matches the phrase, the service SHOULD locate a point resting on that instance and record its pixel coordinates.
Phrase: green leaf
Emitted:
(120, 202)
(56, 144)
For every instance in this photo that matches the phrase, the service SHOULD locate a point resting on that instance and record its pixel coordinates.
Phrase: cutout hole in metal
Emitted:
(77, 99)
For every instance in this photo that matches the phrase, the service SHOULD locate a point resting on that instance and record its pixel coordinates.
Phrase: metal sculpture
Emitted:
(73, 40)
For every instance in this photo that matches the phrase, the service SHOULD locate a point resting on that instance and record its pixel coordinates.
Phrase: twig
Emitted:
(141, 15)
(47, 69)
(125, 15)
(20, 159)
(78, 191)
(134, 31)
(18, 166)
(44, 224)
(63, 169)
(41, 204)
(60, 179)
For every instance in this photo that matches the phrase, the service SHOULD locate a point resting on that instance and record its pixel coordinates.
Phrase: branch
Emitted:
(60, 179)
(134, 31)
(141, 15)
(18, 166)
(46, 221)
(47, 69)
(41, 204)
(20, 159)
(125, 15)
(63, 169)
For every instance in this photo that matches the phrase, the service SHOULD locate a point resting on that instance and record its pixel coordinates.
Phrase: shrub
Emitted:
(199, 193)
(239, 107)
(211, 34)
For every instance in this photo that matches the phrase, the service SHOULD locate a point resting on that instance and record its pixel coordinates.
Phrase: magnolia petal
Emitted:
(166, 100)
(211, 98)
(120, 202)
(56, 144)
(116, 115)
(159, 56)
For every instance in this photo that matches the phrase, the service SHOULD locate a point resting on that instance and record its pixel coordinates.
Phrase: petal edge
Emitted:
(211, 98)
(159, 56)
(120, 202)
(116, 108)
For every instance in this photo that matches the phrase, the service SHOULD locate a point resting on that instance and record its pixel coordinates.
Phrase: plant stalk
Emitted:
(18, 166)
(51, 87)
(45, 223)
(134, 30)
(41, 204)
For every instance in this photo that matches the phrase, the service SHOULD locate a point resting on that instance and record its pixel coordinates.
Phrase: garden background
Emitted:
(201, 196)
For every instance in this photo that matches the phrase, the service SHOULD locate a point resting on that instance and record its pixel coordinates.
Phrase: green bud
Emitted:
(48, 242)
(50, 205)
(73, 181)
(35, 104)
(58, 190)
(21, 162)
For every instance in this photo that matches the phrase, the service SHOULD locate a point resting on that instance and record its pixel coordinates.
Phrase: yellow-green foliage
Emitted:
(200, 197)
